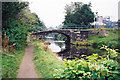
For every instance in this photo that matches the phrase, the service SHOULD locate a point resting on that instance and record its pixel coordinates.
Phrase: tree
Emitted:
(30, 19)
(43, 26)
(16, 32)
(10, 9)
(78, 14)
(18, 21)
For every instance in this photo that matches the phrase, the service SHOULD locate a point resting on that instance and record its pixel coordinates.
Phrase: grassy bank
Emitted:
(45, 61)
(111, 40)
(11, 63)
(96, 41)
(111, 36)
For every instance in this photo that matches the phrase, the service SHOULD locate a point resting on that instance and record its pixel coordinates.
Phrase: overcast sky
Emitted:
(52, 12)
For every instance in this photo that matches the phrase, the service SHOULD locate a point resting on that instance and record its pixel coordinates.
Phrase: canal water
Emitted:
(71, 52)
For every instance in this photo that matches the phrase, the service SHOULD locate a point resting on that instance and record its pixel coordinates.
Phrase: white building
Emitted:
(102, 22)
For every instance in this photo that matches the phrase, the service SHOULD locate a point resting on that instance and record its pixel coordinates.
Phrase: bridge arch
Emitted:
(42, 35)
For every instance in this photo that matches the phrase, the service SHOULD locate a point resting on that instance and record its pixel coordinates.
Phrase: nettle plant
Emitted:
(92, 67)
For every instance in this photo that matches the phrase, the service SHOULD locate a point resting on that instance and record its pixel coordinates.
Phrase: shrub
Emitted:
(17, 34)
(93, 67)
(112, 44)
(95, 45)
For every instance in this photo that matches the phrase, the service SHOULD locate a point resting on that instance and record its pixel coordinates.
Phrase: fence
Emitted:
(75, 27)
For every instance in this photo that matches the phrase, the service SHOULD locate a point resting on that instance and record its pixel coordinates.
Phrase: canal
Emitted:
(64, 51)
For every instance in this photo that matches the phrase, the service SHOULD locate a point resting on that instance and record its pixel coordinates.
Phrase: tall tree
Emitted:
(16, 32)
(30, 19)
(17, 21)
(10, 9)
(78, 14)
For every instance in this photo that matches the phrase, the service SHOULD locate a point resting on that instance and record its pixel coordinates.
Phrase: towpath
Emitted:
(27, 66)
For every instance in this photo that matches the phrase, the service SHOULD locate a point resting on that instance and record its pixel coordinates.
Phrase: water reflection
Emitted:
(71, 52)
(56, 46)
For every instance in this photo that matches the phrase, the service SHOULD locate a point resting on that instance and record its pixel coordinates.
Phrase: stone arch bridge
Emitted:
(71, 34)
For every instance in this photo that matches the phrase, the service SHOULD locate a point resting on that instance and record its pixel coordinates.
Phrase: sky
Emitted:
(52, 12)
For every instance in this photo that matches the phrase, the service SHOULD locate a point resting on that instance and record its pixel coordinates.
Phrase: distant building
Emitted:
(104, 22)
(98, 22)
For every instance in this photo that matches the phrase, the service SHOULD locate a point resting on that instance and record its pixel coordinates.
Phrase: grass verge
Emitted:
(110, 41)
(45, 61)
(11, 63)
(111, 36)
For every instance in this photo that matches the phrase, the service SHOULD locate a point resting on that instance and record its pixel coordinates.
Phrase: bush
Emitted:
(17, 34)
(110, 44)
(93, 67)
(95, 45)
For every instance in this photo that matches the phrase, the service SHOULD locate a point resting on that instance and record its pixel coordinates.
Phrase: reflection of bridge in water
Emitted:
(73, 52)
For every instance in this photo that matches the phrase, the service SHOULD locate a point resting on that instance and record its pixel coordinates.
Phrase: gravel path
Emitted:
(27, 66)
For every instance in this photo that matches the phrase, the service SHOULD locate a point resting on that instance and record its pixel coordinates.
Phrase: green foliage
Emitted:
(81, 43)
(18, 21)
(110, 41)
(61, 37)
(58, 36)
(11, 63)
(77, 14)
(17, 33)
(112, 54)
(31, 20)
(93, 67)
(14, 30)
(10, 9)
(111, 44)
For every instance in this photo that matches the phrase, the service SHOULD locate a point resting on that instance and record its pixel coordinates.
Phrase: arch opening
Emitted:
(58, 36)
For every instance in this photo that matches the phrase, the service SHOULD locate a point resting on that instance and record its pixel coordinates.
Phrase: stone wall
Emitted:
(93, 33)
(72, 35)
(98, 32)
